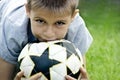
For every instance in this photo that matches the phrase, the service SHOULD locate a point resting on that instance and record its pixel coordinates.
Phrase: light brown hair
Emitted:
(54, 5)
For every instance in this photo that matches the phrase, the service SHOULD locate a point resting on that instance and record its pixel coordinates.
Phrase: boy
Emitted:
(46, 20)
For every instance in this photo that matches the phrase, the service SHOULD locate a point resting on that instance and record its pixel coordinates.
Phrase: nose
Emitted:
(49, 32)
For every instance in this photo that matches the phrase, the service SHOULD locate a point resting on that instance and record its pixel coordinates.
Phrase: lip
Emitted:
(46, 40)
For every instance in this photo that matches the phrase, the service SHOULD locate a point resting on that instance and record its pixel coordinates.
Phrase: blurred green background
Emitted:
(102, 18)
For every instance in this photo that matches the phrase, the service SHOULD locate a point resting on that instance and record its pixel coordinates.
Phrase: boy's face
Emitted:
(47, 26)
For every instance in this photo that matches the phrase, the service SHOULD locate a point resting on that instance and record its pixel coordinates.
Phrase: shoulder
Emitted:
(77, 24)
(81, 36)
(14, 11)
(14, 20)
(14, 17)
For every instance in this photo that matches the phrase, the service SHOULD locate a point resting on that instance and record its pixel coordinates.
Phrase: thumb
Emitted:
(19, 75)
(83, 73)
(67, 77)
(36, 76)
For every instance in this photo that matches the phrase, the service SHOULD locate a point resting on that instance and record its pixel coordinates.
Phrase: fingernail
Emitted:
(40, 74)
(67, 77)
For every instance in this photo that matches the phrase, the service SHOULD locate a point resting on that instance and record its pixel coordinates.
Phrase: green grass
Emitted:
(103, 21)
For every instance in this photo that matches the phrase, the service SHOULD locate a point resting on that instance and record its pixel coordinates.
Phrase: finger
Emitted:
(67, 77)
(36, 76)
(19, 75)
(83, 72)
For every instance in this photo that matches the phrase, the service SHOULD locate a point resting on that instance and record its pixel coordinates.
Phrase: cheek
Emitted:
(61, 33)
(35, 27)
(36, 30)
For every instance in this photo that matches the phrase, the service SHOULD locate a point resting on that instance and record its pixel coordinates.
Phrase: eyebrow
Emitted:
(55, 21)
(39, 18)
(62, 21)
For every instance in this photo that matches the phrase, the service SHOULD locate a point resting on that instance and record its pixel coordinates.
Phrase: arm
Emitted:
(12, 38)
(6, 70)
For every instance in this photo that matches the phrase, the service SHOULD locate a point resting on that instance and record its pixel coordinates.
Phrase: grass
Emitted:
(103, 21)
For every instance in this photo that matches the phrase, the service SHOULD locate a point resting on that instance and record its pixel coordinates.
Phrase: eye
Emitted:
(40, 21)
(60, 23)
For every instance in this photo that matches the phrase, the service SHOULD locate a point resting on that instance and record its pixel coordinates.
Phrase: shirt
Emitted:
(14, 31)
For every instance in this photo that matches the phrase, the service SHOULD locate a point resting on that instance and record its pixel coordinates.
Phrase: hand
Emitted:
(84, 75)
(34, 77)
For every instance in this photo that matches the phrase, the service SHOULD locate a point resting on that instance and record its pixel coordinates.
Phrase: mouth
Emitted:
(46, 40)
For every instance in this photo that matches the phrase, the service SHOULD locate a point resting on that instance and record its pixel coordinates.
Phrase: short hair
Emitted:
(54, 5)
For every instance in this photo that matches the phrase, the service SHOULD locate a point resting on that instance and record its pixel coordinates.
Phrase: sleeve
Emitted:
(13, 34)
(12, 40)
(79, 34)
(2, 6)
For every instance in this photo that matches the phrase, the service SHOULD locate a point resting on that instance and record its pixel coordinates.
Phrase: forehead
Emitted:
(50, 13)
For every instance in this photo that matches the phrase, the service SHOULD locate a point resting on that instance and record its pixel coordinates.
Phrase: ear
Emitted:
(74, 14)
(27, 10)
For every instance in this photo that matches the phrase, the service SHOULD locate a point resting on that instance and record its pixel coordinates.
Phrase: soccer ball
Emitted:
(54, 59)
